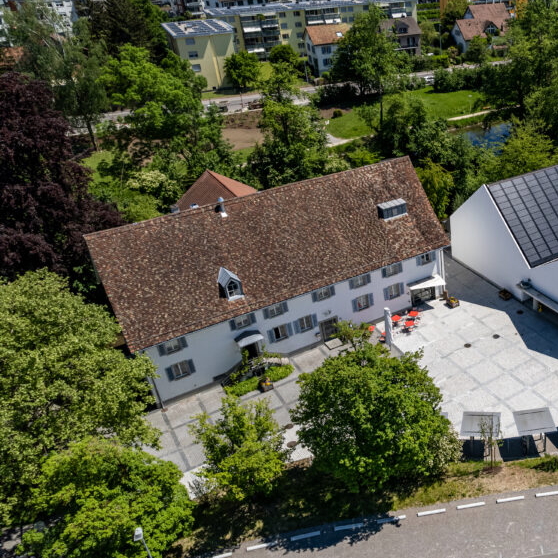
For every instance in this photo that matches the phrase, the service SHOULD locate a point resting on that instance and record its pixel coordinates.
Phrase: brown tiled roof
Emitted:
(409, 22)
(161, 275)
(209, 187)
(326, 34)
(484, 15)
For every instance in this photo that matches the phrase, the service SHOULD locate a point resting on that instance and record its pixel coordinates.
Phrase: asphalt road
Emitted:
(515, 529)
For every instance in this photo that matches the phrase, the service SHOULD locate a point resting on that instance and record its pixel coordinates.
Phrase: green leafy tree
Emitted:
(455, 9)
(167, 122)
(356, 335)
(477, 51)
(156, 184)
(429, 34)
(366, 55)
(438, 185)
(71, 65)
(121, 22)
(243, 69)
(285, 54)
(371, 419)
(295, 143)
(243, 449)
(94, 494)
(61, 380)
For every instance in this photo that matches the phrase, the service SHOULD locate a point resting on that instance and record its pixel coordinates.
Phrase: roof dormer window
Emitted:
(392, 208)
(230, 285)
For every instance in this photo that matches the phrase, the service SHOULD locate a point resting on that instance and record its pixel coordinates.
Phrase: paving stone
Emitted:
(180, 412)
(485, 371)
(505, 386)
(511, 358)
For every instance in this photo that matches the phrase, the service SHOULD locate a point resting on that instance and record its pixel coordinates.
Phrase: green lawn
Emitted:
(438, 105)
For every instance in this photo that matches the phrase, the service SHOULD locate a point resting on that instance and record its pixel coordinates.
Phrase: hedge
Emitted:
(274, 373)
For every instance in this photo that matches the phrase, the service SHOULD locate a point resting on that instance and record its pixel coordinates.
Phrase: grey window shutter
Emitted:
(266, 313)
(354, 303)
(270, 336)
(419, 261)
(296, 326)
(252, 318)
(314, 320)
(191, 366)
(285, 307)
(401, 289)
(399, 267)
(162, 349)
(183, 342)
(433, 256)
(289, 330)
(368, 278)
(232, 324)
(314, 296)
(332, 290)
(169, 373)
(386, 294)
(351, 283)
(371, 299)
(384, 272)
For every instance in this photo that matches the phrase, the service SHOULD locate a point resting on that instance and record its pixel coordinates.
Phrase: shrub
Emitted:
(549, 464)
(274, 373)
(337, 113)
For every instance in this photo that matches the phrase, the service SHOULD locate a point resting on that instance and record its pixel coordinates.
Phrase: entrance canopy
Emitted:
(434, 281)
(480, 423)
(248, 338)
(534, 421)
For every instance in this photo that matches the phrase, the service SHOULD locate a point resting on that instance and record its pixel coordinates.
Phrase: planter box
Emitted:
(504, 294)
(453, 304)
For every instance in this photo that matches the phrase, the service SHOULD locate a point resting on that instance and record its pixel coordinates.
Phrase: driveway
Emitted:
(510, 364)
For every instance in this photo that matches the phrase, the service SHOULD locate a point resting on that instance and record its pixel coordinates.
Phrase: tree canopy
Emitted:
(60, 380)
(44, 205)
(243, 69)
(243, 449)
(93, 495)
(370, 419)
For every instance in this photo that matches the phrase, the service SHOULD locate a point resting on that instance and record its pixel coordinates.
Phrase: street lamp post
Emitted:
(138, 536)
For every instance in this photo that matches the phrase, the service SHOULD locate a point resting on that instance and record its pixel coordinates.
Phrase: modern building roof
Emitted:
(197, 27)
(401, 22)
(209, 187)
(483, 16)
(326, 34)
(161, 275)
(529, 206)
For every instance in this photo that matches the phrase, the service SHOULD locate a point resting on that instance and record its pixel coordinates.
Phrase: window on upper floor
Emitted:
(279, 333)
(306, 323)
(392, 208)
(298, 24)
(327, 61)
(193, 54)
(359, 281)
(363, 302)
(326, 49)
(323, 293)
(242, 321)
(181, 370)
(233, 289)
(299, 36)
(296, 13)
(394, 291)
(427, 258)
(172, 346)
(196, 67)
(392, 269)
(275, 310)
(190, 41)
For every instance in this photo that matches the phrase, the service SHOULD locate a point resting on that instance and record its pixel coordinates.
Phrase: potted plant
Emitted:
(453, 302)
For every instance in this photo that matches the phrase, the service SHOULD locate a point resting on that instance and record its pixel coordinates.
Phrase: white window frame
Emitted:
(243, 321)
(233, 289)
(196, 67)
(359, 281)
(426, 258)
(305, 323)
(362, 302)
(323, 294)
(392, 269)
(280, 332)
(275, 310)
(394, 291)
(172, 346)
(181, 369)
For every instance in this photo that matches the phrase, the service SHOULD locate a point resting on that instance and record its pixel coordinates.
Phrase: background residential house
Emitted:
(206, 44)
(406, 32)
(508, 232)
(480, 20)
(320, 43)
(277, 268)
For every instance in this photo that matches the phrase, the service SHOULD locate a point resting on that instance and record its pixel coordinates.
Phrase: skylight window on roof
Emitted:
(392, 208)
(229, 284)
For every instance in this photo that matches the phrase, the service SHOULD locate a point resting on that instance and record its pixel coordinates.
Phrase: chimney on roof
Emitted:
(220, 208)
(174, 208)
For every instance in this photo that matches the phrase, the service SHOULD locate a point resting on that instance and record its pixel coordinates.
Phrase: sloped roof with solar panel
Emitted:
(529, 206)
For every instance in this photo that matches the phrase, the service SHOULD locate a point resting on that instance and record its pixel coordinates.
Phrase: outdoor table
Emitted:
(396, 319)
(409, 324)
(413, 313)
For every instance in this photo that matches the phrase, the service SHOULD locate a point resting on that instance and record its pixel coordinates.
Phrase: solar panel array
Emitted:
(197, 27)
(529, 206)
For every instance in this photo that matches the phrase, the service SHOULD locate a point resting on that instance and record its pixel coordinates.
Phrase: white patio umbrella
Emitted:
(388, 326)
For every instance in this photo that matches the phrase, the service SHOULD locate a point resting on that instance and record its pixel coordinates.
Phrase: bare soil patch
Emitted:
(241, 129)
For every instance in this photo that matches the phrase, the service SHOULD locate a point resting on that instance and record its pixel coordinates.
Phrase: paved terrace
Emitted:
(516, 370)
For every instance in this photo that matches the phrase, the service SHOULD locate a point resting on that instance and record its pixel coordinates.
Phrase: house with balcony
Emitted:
(480, 20)
(406, 31)
(259, 26)
(321, 44)
(507, 232)
(276, 269)
(206, 44)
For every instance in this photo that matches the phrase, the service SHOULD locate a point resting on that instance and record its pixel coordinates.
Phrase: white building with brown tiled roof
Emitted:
(406, 32)
(480, 20)
(320, 41)
(279, 267)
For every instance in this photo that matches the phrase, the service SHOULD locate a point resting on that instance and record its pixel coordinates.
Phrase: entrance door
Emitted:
(421, 295)
(328, 328)
(253, 350)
